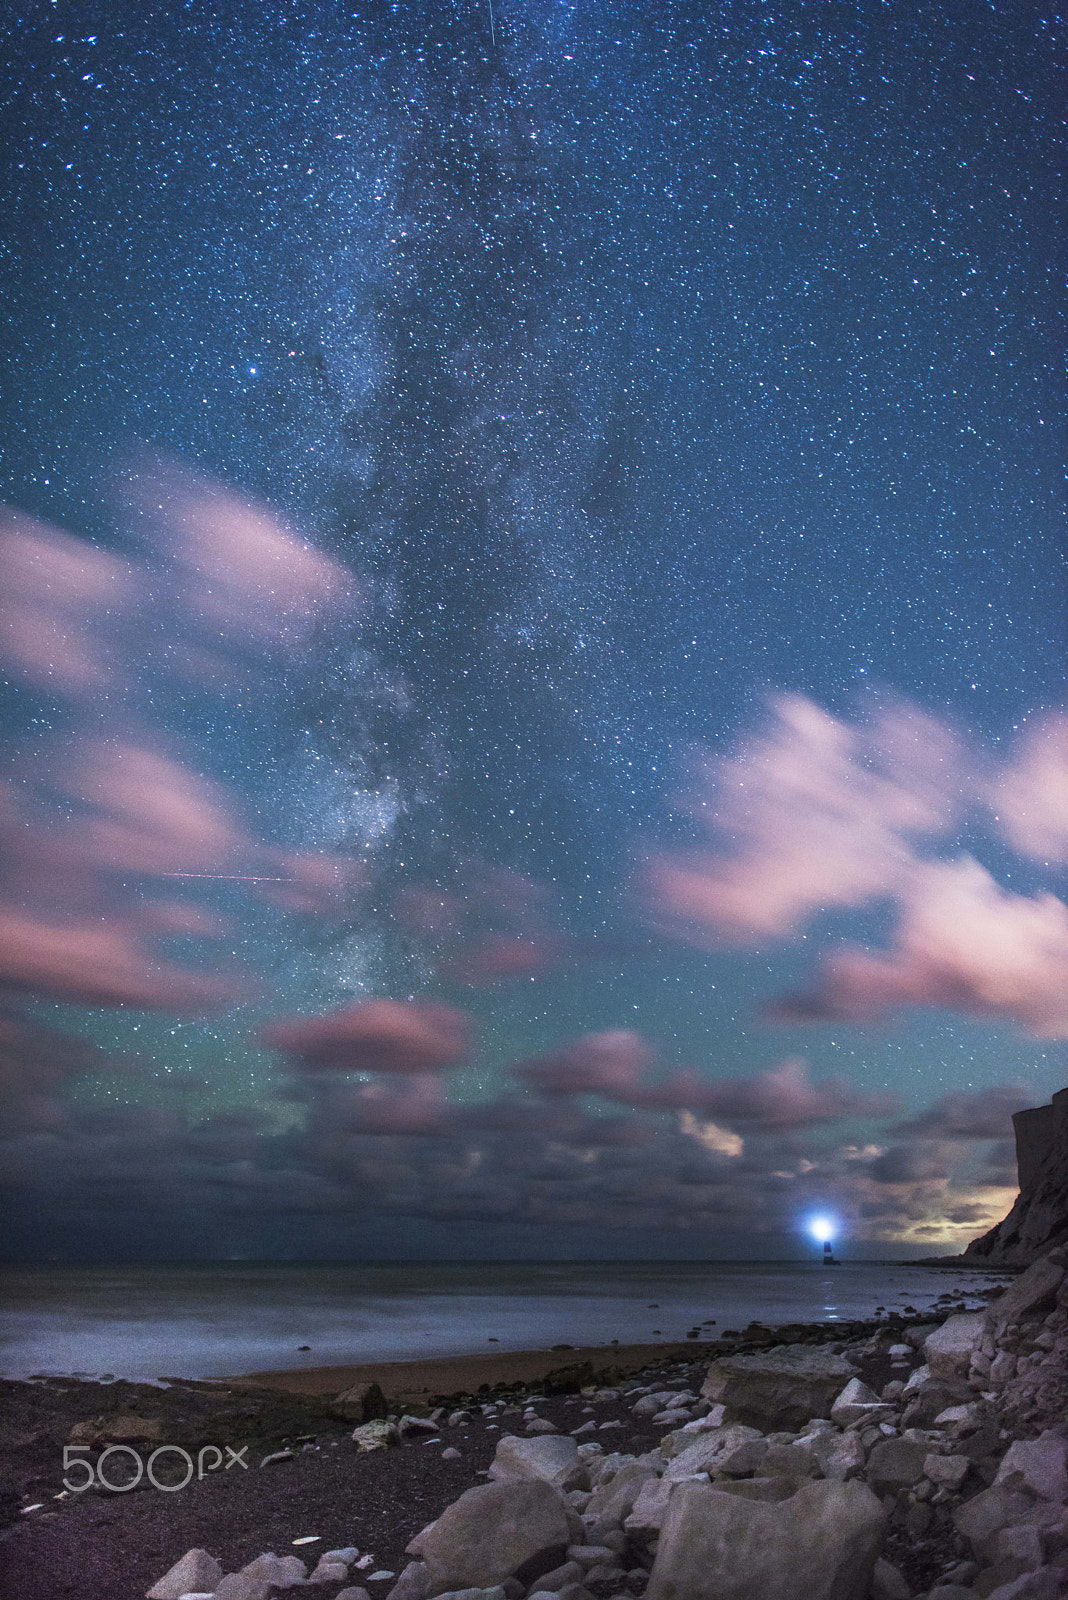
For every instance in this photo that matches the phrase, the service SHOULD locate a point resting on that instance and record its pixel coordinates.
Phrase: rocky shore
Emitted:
(879, 1461)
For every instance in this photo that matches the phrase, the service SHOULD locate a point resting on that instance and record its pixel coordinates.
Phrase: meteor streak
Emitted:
(229, 877)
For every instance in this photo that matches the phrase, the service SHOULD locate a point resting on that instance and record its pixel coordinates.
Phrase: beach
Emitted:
(301, 1476)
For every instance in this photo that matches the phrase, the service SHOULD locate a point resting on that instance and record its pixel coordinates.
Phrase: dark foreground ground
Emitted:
(113, 1546)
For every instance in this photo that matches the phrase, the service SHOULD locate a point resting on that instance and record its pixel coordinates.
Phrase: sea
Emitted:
(219, 1319)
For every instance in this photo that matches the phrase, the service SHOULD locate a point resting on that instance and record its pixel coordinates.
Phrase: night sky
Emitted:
(532, 607)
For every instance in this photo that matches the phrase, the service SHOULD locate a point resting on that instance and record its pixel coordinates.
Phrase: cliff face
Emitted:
(1039, 1219)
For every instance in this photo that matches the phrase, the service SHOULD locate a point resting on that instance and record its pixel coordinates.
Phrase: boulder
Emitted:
(1015, 1551)
(242, 1586)
(896, 1464)
(1045, 1584)
(778, 1388)
(553, 1458)
(982, 1518)
(1032, 1290)
(710, 1450)
(820, 1544)
(768, 1489)
(496, 1593)
(745, 1459)
(493, 1532)
(858, 1403)
(948, 1351)
(118, 1427)
(408, 1424)
(363, 1402)
(559, 1578)
(616, 1498)
(412, 1584)
(1040, 1465)
(650, 1505)
(946, 1472)
(889, 1583)
(840, 1456)
(329, 1572)
(196, 1571)
(283, 1571)
(931, 1399)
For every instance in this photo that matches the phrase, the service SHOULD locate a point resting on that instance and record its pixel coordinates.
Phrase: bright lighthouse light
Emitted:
(822, 1228)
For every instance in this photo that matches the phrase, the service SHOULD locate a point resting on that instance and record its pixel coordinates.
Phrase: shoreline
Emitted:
(466, 1374)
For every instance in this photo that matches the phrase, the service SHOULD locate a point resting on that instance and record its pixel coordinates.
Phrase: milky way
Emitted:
(638, 403)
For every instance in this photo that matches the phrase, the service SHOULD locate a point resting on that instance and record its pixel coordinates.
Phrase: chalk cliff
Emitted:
(1039, 1219)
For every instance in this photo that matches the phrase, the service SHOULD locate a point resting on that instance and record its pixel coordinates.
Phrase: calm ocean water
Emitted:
(219, 1318)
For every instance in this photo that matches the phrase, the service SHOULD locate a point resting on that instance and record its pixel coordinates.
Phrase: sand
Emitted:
(448, 1375)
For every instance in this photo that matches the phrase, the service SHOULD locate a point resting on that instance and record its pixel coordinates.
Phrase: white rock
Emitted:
(283, 1571)
(780, 1387)
(651, 1503)
(1040, 1465)
(952, 1414)
(409, 1424)
(948, 1351)
(709, 1450)
(616, 1498)
(1045, 1584)
(819, 1544)
(1039, 1283)
(196, 1570)
(946, 1471)
(841, 1458)
(493, 1532)
(413, 1583)
(858, 1403)
(377, 1435)
(496, 1593)
(329, 1572)
(981, 1518)
(242, 1586)
(915, 1380)
(553, 1458)
(889, 1583)
(348, 1555)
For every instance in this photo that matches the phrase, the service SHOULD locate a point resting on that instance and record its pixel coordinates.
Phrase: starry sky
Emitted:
(532, 612)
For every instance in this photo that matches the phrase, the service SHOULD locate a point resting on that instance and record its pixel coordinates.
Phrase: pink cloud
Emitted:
(148, 814)
(608, 1063)
(376, 1036)
(961, 941)
(1029, 796)
(812, 815)
(614, 1064)
(237, 568)
(99, 963)
(109, 804)
(415, 1106)
(503, 956)
(60, 598)
(781, 1097)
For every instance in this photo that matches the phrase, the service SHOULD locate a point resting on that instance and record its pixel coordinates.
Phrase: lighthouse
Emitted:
(823, 1229)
